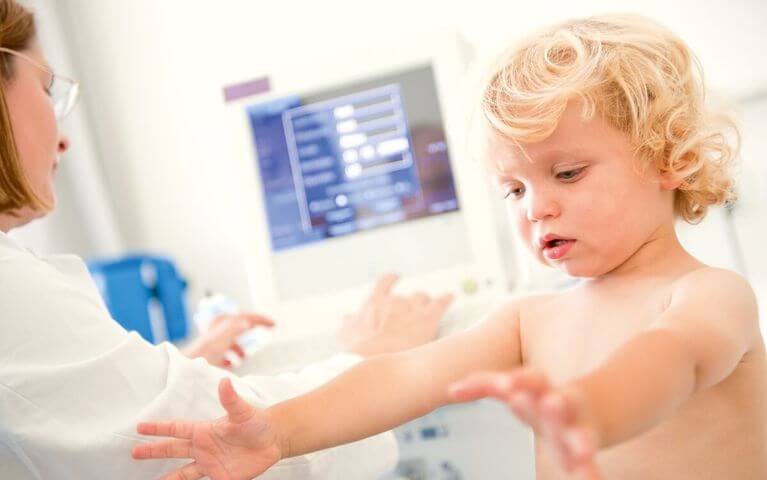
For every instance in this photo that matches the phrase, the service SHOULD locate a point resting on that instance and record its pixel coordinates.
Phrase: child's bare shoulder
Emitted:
(716, 297)
(710, 285)
(707, 273)
(515, 307)
(528, 300)
(530, 306)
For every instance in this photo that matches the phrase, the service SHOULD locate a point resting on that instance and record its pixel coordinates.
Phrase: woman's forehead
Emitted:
(35, 52)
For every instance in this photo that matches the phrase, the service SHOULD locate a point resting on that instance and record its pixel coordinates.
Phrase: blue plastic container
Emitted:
(144, 293)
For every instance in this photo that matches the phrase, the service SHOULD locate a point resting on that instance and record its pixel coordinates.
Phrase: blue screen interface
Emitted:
(352, 158)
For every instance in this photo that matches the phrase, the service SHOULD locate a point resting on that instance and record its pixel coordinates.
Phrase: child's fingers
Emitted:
(481, 385)
(580, 444)
(176, 429)
(523, 406)
(163, 449)
(530, 380)
(239, 410)
(590, 471)
(554, 409)
(189, 471)
(577, 452)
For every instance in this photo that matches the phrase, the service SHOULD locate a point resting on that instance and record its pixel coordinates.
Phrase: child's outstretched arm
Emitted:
(709, 326)
(370, 398)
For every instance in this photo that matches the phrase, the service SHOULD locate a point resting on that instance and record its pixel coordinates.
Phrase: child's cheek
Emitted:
(523, 225)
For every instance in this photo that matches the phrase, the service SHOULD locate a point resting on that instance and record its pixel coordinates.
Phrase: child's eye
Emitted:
(569, 174)
(515, 192)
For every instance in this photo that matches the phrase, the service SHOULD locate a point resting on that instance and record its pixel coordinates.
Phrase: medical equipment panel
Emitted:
(352, 159)
(479, 440)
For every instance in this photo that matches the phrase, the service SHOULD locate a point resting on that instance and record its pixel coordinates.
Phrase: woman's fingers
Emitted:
(242, 322)
(383, 286)
(237, 349)
(420, 299)
(255, 320)
(163, 449)
(436, 308)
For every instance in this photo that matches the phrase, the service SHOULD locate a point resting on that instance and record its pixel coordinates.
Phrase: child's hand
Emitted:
(239, 446)
(556, 414)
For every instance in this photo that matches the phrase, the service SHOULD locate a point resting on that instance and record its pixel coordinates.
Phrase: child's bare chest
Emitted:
(571, 336)
(719, 433)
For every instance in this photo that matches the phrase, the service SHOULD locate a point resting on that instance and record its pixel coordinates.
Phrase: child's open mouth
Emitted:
(557, 248)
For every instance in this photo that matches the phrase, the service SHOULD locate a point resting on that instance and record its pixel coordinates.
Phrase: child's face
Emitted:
(581, 205)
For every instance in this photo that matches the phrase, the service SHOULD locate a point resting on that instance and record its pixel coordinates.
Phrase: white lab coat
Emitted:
(73, 385)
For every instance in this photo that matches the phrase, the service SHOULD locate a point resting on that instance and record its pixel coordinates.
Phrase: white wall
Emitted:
(152, 73)
(751, 211)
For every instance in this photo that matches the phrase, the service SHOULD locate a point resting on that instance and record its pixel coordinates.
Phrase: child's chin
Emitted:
(573, 266)
(577, 269)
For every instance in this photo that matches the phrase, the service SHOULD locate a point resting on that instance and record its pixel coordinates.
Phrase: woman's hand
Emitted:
(390, 323)
(556, 414)
(221, 337)
(239, 446)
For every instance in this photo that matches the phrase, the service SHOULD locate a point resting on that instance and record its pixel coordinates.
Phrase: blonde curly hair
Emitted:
(641, 78)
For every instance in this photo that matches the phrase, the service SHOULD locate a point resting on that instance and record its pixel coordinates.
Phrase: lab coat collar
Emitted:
(7, 242)
(11, 246)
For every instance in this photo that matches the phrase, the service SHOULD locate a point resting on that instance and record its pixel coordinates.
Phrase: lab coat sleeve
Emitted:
(73, 385)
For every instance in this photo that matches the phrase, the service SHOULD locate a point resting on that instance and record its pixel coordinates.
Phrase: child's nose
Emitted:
(541, 207)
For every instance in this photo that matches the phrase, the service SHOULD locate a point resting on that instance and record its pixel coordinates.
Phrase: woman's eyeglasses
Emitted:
(63, 91)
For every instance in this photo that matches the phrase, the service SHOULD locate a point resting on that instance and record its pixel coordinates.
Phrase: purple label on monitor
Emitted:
(246, 89)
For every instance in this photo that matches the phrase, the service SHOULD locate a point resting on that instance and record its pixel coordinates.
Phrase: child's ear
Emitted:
(670, 180)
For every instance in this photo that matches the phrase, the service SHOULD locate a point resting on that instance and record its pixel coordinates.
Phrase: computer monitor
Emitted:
(356, 180)
(358, 171)
(350, 159)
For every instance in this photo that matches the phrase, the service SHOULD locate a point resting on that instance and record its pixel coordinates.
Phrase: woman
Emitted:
(72, 383)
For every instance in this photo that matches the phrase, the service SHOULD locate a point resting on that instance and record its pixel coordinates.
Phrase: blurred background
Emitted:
(182, 147)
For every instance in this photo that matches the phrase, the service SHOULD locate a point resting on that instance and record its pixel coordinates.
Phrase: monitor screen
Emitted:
(353, 158)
